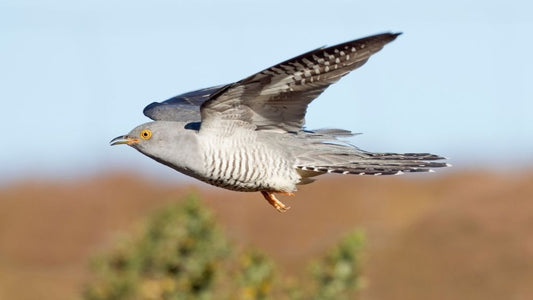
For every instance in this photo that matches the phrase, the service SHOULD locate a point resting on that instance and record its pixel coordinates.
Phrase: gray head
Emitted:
(167, 142)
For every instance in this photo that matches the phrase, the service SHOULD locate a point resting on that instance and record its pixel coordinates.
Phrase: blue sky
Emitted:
(75, 74)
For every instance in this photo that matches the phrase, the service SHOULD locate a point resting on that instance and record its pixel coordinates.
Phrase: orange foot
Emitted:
(275, 202)
(286, 193)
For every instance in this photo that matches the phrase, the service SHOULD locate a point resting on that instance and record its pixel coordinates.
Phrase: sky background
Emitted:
(75, 74)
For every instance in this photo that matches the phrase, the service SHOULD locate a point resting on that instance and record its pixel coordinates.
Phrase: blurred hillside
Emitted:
(455, 236)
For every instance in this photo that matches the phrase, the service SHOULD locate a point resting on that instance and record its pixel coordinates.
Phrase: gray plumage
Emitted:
(249, 135)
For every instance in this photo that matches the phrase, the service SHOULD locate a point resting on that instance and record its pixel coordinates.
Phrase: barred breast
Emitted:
(247, 166)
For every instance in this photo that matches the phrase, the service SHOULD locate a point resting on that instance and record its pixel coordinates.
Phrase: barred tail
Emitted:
(377, 164)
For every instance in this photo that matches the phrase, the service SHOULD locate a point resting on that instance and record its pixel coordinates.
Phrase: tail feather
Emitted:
(404, 156)
(381, 164)
(324, 151)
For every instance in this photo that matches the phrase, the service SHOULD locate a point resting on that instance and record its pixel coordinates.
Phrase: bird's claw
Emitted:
(278, 205)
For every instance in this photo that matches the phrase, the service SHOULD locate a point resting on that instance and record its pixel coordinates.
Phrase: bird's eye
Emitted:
(146, 134)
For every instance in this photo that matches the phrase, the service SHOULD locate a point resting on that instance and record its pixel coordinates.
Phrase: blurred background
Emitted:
(73, 75)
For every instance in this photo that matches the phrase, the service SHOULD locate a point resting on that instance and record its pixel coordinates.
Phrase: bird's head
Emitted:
(158, 134)
(140, 136)
(171, 143)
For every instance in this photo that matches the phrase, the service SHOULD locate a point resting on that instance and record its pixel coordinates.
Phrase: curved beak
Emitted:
(123, 139)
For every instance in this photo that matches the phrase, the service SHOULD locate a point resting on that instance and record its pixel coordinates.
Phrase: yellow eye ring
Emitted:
(146, 134)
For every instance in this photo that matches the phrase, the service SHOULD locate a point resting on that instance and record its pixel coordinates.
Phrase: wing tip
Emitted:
(394, 35)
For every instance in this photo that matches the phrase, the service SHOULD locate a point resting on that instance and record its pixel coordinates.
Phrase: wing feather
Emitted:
(184, 107)
(277, 98)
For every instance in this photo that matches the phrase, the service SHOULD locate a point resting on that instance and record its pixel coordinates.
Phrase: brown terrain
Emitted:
(453, 235)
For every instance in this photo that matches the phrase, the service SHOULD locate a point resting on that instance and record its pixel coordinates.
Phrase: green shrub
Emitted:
(176, 256)
(254, 276)
(338, 274)
(181, 253)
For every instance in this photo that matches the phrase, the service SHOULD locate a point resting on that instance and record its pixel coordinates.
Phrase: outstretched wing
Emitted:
(277, 98)
(184, 107)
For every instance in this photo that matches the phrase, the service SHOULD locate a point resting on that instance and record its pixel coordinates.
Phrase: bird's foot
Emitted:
(286, 193)
(275, 202)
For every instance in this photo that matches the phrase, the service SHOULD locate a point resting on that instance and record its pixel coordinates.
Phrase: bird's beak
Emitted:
(123, 139)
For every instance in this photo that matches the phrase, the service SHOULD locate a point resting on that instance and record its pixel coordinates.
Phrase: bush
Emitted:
(181, 253)
(339, 272)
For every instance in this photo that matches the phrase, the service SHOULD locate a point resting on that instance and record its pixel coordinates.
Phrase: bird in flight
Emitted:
(248, 135)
